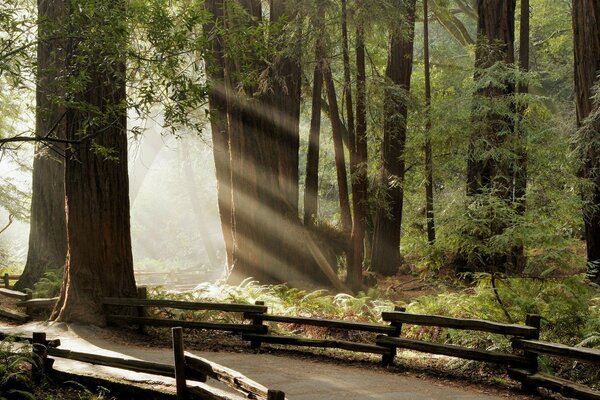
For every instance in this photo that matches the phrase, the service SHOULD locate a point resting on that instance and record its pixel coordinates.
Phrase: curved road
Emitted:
(299, 378)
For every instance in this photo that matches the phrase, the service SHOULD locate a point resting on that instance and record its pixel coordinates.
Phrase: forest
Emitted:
(331, 157)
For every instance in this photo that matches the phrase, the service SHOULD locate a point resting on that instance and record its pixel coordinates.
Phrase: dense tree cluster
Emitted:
(423, 120)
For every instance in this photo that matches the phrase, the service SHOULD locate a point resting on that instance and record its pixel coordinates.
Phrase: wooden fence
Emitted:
(521, 363)
(187, 367)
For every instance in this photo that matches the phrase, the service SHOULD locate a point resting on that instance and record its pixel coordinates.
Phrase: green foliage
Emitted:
(282, 300)
(49, 285)
(15, 371)
(568, 307)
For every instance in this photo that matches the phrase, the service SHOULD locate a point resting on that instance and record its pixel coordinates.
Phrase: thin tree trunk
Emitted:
(586, 28)
(311, 187)
(48, 234)
(388, 222)
(217, 103)
(338, 145)
(428, 151)
(99, 259)
(359, 176)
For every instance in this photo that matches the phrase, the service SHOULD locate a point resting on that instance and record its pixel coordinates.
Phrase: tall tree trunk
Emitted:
(487, 175)
(586, 28)
(311, 187)
(285, 101)
(359, 157)
(264, 148)
(99, 260)
(495, 43)
(388, 222)
(48, 234)
(338, 146)
(428, 151)
(217, 104)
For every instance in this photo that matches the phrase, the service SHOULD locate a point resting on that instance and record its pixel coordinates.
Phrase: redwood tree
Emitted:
(99, 259)
(428, 151)
(47, 235)
(311, 187)
(217, 103)
(358, 154)
(489, 174)
(386, 238)
(586, 28)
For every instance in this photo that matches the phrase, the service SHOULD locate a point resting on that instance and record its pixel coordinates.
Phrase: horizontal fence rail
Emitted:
(460, 323)
(327, 323)
(559, 350)
(183, 305)
(171, 323)
(455, 351)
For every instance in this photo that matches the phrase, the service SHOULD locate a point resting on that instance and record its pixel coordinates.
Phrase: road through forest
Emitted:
(299, 378)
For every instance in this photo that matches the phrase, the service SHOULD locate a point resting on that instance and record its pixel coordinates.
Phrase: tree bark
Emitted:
(99, 260)
(311, 187)
(264, 148)
(217, 104)
(428, 151)
(487, 175)
(586, 29)
(48, 234)
(359, 157)
(338, 146)
(388, 222)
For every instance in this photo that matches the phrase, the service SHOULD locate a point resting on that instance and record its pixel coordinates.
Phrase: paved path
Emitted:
(300, 379)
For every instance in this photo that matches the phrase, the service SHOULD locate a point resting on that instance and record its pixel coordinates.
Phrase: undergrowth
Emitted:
(570, 310)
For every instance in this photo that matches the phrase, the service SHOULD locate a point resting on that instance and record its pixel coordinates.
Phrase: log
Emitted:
(206, 393)
(37, 303)
(171, 323)
(328, 323)
(13, 294)
(559, 350)
(129, 364)
(233, 379)
(562, 386)
(454, 351)
(14, 315)
(327, 343)
(460, 323)
(129, 390)
(183, 305)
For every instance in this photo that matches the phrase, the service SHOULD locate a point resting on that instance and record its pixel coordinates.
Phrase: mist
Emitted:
(175, 224)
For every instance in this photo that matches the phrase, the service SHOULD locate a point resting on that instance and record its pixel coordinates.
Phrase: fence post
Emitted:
(28, 309)
(178, 354)
(256, 320)
(40, 352)
(275, 395)
(534, 321)
(6, 281)
(388, 359)
(142, 293)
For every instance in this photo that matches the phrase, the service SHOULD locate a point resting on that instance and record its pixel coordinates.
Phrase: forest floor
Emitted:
(300, 375)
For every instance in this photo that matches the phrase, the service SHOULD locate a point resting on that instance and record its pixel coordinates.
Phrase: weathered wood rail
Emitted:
(532, 378)
(187, 368)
